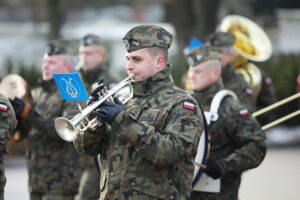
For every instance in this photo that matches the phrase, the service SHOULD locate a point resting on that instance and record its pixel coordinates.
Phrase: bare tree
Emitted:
(196, 18)
(55, 17)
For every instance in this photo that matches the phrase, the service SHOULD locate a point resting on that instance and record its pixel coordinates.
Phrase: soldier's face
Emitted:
(228, 56)
(142, 64)
(203, 75)
(54, 64)
(91, 56)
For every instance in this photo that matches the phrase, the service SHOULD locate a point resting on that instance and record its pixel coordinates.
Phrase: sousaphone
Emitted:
(251, 43)
(13, 86)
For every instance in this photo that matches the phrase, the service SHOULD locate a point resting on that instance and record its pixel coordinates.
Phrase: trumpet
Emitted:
(68, 129)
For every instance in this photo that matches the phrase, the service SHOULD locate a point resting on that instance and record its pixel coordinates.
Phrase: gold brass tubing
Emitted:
(282, 119)
(279, 103)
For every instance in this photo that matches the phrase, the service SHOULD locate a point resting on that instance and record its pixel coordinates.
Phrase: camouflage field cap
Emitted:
(203, 54)
(145, 36)
(57, 46)
(220, 39)
(91, 39)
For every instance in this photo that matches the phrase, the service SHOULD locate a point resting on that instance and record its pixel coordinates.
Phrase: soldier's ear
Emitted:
(160, 62)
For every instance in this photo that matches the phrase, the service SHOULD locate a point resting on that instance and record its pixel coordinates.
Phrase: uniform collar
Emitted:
(206, 95)
(153, 84)
(48, 86)
(227, 72)
(92, 76)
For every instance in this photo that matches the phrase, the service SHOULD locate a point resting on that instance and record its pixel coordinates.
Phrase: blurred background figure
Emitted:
(92, 61)
(53, 165)
(232, 80)
(251, 45)
(92, 68)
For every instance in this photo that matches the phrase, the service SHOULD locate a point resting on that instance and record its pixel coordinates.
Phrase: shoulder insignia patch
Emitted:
(268, 81)
(249, 91)
(3, 107)
(189, 105)
(244, 112)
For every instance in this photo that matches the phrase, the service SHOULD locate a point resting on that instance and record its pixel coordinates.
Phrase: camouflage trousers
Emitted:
(212, 196)
(50, 196)
(89, 188)
(128, 195)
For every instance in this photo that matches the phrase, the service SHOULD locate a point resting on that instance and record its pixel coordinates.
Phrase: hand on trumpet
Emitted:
(109, 110)
(97, 92)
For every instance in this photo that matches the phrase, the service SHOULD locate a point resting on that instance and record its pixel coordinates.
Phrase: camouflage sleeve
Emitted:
(46, 124)
(89, 142)
(176, 141)
(248, 138)
(8, 123)
(246, 96)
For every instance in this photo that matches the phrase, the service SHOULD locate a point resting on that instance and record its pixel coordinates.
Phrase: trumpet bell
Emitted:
(251, 41)
(65, 129)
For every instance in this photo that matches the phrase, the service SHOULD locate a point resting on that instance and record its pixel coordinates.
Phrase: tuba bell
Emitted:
(251, 43)
(68, 129)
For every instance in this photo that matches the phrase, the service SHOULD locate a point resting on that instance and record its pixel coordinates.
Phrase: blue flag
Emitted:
(70, 86)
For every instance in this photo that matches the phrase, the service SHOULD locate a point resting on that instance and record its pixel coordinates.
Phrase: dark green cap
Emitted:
(145, 36)
(91, 39)
(220, 39)
(57, 46)
(203, 54)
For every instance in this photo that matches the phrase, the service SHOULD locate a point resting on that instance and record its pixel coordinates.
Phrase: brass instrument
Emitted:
(251, 43)
(13, 86)
(68, 129)
(275, 105)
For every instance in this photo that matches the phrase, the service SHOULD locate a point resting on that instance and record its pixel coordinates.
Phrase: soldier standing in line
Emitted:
(92, 56)
(147, 147)
(232, 81)
(237, 141)
(8, 124)
(54, 166)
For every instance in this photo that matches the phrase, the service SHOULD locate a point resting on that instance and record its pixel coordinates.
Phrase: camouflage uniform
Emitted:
(7, 126)
(151, 146)
(148, 151)
(89, 184)
(53, 165)
(239, 86)
(231, 79)
(237, 141)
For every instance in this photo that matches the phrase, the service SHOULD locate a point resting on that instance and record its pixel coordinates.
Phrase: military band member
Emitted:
(92, 57)
(237, 141)
(232, 81)
(8, 124)
(53, 165)
(147, 147)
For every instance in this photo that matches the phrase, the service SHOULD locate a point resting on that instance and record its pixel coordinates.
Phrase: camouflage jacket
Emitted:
(237, 141)
(53, 164)
(236, 83)
(149, 148)
(8, 124)
(90, 79)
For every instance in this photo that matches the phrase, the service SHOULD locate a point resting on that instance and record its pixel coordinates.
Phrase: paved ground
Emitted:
(277, 178)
